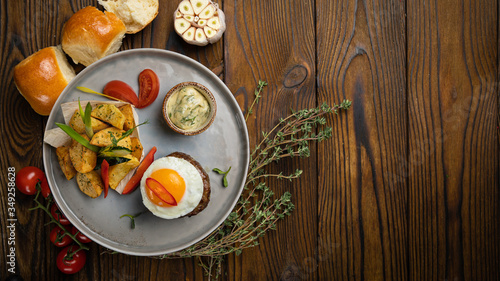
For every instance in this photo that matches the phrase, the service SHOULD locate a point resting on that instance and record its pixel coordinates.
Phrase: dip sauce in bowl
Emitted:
(189, 108)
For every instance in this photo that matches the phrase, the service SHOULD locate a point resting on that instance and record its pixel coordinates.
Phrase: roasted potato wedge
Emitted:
(90, 183)
(65, 162)
(103, 138)
(76, 122)
(136, 147)
(118, 172)
(84, 160)
(110, 114)
(129, 116)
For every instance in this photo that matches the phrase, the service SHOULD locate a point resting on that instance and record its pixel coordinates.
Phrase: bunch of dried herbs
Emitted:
(251, 219)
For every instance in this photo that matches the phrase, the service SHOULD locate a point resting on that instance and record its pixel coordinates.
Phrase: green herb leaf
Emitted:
(219, 171)
(86, 118)
(76, 136)
(132, 218)
(130, 131)
(114, 151)
(111, 161)
(224, 178)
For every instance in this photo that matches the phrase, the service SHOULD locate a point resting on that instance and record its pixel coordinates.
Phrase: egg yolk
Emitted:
(173, 183)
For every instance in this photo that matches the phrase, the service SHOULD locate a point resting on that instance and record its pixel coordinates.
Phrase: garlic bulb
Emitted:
(199, 22)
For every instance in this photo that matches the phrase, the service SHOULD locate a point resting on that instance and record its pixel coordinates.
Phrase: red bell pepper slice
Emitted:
(159, 190)
(105, 176)
(136, 178)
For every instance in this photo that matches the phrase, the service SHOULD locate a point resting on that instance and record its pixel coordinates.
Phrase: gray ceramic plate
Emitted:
(224, 144)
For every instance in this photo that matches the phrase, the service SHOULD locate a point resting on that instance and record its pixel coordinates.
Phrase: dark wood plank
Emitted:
(274, 41)
(453, 203)
(28, 26)
(362, 195)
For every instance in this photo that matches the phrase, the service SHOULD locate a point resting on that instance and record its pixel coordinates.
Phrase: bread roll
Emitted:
(90, 35)
(41, 78)
(136, 14)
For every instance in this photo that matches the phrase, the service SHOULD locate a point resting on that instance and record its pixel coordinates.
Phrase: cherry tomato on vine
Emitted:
(58, 215)
(70, 261)
(149, 86)
(80, 236)
(27, 178)
(58, 237)
(122, 91)
(44, 185)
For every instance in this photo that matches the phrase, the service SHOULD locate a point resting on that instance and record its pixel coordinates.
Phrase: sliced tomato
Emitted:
(149, 86)
(160, 191)
(105, 176)
(136, 178)
(122, 91)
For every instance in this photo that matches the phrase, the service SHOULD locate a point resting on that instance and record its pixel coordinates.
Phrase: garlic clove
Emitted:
(200, 37)
(178, 14)
(222, 28)
(186, 8)
(210, 32)
(189, 18)
(214, 23)
(181, 25)
(189, 34)
(201, 23)
(208, 12)
(199, 5)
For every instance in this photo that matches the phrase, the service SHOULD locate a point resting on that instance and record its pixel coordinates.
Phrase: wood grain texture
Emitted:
(362, 195)
(453, 148)
(274, 41)
(28, 26)
(407, 189)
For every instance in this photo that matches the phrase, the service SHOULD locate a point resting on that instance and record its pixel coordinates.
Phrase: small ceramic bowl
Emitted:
(211, 102)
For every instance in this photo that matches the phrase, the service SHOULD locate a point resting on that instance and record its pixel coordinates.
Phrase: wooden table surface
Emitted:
(406, 189)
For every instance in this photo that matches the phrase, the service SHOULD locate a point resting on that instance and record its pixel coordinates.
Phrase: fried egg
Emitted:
(181, 179)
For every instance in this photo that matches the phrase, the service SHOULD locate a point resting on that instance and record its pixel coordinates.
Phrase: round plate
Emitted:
(224, 144)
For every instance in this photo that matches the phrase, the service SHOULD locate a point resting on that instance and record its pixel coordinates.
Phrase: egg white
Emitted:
(192, 195)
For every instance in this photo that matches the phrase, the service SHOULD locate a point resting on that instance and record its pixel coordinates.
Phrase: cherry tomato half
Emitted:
(58, 215)
(58, 237)
(136, 178)
(122, 91)
(71, 262)
(80, 236)
(149, 86)
(27, 178)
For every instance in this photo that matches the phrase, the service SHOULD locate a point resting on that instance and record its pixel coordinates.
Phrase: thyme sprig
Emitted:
(258, 209)
(258, 95)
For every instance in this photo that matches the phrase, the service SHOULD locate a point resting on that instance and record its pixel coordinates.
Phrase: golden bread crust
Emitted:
(40, 80)
(89, 34)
